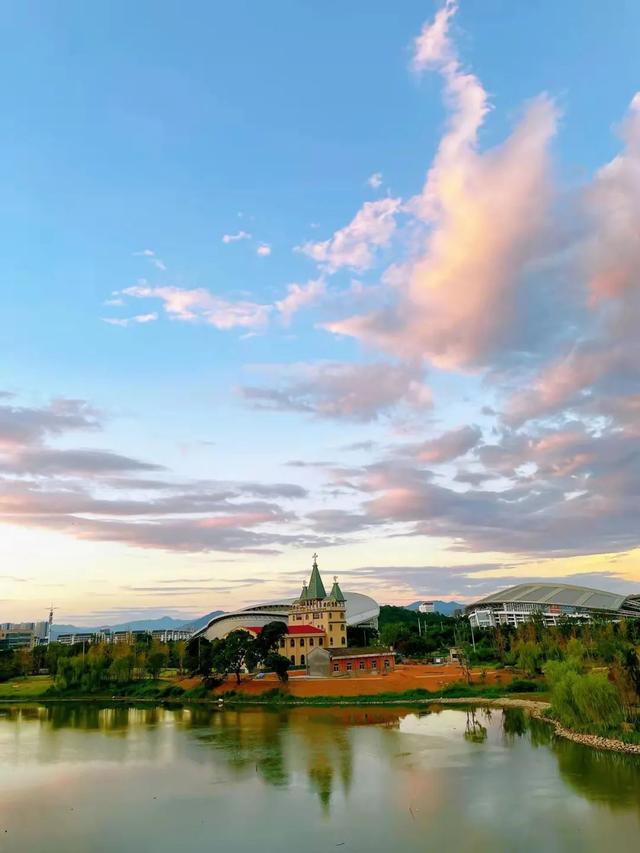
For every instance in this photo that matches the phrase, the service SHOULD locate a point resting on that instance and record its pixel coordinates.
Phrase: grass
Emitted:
(27, 687)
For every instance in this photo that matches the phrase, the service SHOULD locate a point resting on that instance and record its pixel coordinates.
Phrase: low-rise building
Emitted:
(369, 660)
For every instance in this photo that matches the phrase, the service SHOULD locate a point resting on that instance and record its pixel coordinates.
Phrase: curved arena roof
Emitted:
(563, 595)
(360, 610)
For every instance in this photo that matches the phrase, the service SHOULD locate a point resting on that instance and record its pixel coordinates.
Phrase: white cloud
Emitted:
(234, 238)
(375, 180)
(264, 250)
(152, 258)
(125, 321)
(200, 305)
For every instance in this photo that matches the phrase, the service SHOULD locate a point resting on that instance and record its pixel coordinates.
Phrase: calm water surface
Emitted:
(84, 778)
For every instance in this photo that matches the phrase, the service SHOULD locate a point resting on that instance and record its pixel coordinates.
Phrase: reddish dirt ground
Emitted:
(405, 677)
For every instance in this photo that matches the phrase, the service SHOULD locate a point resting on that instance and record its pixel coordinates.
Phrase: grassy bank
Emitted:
(42, 688)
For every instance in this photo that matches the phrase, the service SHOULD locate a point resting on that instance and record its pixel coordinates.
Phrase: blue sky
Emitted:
(135, 137)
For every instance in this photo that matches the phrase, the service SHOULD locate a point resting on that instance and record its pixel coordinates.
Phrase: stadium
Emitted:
(361, 611)
(553, 601)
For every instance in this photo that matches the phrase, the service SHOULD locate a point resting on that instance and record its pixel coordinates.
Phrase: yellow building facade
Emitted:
(315, 619)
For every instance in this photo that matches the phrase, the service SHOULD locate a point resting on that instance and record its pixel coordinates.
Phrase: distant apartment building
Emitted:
(22, 635)
(126, 638)
(426, 607)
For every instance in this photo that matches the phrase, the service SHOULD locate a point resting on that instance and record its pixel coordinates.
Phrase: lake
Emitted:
(90, 778)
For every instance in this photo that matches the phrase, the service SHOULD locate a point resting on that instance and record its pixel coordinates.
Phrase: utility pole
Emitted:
(51, 609)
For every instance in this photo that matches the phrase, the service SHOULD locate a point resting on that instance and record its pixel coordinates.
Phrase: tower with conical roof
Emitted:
(336, 592)
(316, 590)
(315, 607)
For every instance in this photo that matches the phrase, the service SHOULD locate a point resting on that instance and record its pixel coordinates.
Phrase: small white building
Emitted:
(426, 607)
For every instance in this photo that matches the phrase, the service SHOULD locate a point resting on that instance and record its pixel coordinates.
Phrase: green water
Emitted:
(84, 778)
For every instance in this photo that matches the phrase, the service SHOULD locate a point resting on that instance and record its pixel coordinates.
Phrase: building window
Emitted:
(349, 666)
(374, 664)
(301, 660)
(293, 660)
(292, 643)
(342, 627)
(336, 667)
(310, 641)
(321, 641)
(344, 641)
(386, 663)
(361, 664)
(301, 641)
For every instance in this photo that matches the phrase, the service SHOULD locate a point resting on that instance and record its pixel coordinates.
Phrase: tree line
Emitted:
(89, 667)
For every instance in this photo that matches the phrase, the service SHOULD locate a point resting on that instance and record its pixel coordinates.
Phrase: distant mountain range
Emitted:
(159, 624)
(447, 608)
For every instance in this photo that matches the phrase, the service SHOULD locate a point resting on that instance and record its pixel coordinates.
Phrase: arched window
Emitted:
(301, 660)
(293, 659)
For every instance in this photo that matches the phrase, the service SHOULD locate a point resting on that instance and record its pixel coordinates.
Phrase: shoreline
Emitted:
(537, 708)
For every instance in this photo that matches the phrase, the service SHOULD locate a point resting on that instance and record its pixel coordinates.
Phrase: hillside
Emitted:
(159, 624)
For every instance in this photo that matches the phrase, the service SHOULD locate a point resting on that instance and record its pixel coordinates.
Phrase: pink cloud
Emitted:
(300, 296)
(354, 245)
(349, 391)
(484, 215)
(613, 204)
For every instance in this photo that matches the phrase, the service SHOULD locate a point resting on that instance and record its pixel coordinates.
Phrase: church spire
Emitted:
(316, 588)
(336, 593)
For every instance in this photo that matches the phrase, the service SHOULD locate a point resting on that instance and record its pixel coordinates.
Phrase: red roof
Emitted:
(292, 629)
(304, 629)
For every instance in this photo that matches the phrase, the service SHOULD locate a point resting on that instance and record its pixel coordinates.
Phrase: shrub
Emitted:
(583, 701)
(521, 685)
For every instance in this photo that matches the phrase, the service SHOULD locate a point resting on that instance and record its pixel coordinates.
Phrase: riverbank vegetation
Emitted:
(590, 670)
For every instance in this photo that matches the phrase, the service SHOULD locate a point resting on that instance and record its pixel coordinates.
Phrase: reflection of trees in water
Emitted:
(474, 731)
(250, 740)
(514, 722)
(90, 717)
(606, 777)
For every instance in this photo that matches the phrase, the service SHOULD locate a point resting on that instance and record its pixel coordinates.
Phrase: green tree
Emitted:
(278, 664)
(157, 659)
(232, 653)
(267, 641)
(198, 656)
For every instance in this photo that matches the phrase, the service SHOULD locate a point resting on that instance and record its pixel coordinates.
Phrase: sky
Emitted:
(281, 278)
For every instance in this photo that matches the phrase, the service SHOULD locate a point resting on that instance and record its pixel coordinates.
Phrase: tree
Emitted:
(278, 664)
(232, 653)
(528, 656)
(157, 659)
(198, 656)
(393, 633)
(179, 650)
(267, 641)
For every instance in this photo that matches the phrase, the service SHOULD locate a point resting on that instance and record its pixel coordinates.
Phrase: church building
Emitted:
(315, 620)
